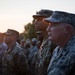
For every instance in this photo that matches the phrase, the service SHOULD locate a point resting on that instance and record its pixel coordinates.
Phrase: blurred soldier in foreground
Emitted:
(61, 31)
(44, 54)
(14, 61)
(3, 48)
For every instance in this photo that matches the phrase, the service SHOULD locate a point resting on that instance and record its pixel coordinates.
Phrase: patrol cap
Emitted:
(60, 16)
(43, 13)
(34, 40)
(12, 32)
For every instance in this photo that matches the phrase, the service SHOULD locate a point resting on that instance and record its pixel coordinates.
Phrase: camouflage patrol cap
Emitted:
(12, 32)
(43, 13)
(60, 16)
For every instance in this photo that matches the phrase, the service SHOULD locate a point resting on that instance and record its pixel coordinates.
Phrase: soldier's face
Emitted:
(8, 39)
(56, 32)
(40, 25)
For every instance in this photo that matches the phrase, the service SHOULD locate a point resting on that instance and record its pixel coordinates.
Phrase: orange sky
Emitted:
(15, 14)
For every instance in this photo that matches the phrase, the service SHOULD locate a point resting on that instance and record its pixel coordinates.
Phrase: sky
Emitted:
(15, 14)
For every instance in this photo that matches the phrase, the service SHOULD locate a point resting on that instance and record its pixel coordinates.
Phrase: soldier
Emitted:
(61, 31)
(33, 50)
(14, 61)
(44, 54)
(27, 49)
(22, 42)
(3, 48)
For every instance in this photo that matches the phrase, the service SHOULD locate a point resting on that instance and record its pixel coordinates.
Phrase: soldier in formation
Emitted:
(43, 56)
(61, 31)
(14, 61)
(3, 48)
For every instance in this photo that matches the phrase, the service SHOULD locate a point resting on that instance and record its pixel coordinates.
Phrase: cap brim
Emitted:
(7, 33)
(50, 19)
(37, 16)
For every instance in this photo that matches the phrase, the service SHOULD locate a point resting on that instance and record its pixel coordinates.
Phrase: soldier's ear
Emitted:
(68, 28)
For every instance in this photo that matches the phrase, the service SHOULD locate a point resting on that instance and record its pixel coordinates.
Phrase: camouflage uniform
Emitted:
(27, 49)
(3, 48)
(14, 62)
(63, 60)
(31, 60)
(45, 55)
(27, 52)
